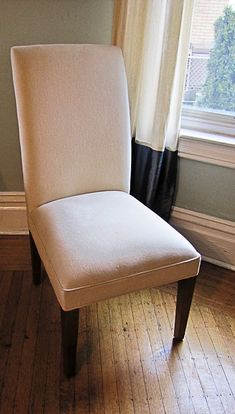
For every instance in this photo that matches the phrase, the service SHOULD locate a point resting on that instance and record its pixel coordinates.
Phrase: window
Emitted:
(209, 94)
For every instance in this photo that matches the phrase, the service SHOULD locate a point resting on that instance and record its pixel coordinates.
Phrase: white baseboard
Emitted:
(213, 237)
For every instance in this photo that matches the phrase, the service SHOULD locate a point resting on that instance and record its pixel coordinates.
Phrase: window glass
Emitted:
(210, 77)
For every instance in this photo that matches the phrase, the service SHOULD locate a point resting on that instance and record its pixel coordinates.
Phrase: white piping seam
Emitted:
(131, 276)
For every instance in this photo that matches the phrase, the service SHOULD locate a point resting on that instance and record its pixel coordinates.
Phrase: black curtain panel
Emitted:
(153, 178)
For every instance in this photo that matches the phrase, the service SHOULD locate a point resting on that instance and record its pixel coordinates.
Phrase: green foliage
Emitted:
(218, 91)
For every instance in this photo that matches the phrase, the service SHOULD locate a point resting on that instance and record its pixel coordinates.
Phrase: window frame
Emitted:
(206, 134)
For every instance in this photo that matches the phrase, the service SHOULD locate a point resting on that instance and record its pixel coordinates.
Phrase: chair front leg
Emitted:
(36, 261)
(69, 330)
(184, 300)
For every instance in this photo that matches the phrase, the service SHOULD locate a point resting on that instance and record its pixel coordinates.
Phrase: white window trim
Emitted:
(207, 137)
(205, 147)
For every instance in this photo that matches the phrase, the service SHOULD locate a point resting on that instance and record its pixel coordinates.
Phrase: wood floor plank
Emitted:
(14, 357)
(165, 356)
(124, 390)
(181, 375)
(182, 390)
(107, 360)
(231, 323)
(211, 352)
(225, 331)
(95, 377)
(220, 359)
(81, 379)
(37, 395)
(28, 352)
(198, 348)
(52, 389)
(5, 283)
(147, 356)
(8, 323)
(140, 397)
(195, 402)
(197, 384)
(67, 393)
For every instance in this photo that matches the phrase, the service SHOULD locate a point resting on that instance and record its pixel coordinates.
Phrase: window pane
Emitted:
(210, 78)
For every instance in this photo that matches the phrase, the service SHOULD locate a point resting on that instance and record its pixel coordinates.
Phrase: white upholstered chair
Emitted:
(95, 240)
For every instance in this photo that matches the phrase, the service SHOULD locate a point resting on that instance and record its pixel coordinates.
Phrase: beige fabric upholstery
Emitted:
(99, 245)
(74, 119)
(95, 240)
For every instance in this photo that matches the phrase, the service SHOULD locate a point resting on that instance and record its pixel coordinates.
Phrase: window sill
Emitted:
(206, 147)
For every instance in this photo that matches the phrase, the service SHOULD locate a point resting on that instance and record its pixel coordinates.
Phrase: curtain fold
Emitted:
(154, 37)
(153, 178)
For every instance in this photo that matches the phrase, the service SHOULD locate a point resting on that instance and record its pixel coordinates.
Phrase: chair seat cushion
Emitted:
(99, 245)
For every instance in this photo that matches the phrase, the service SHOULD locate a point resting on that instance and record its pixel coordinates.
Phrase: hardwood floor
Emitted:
(127, 362)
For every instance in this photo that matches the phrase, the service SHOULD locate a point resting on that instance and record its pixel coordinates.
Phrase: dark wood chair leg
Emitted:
(184, 300)
(69, 329)
(36, 261)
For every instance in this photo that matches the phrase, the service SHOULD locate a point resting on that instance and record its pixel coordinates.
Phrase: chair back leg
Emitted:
(69, 330)
(184, 300)
(36, 261)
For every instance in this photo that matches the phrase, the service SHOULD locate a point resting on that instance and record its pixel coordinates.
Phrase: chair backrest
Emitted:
(74, 124)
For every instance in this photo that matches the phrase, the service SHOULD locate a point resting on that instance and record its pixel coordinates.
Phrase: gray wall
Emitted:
(206, 188)
(40, 21)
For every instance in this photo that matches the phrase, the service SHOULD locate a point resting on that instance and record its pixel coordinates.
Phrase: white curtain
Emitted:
(154, 36)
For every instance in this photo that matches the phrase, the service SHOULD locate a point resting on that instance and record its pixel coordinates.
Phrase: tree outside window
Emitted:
(210, 79)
